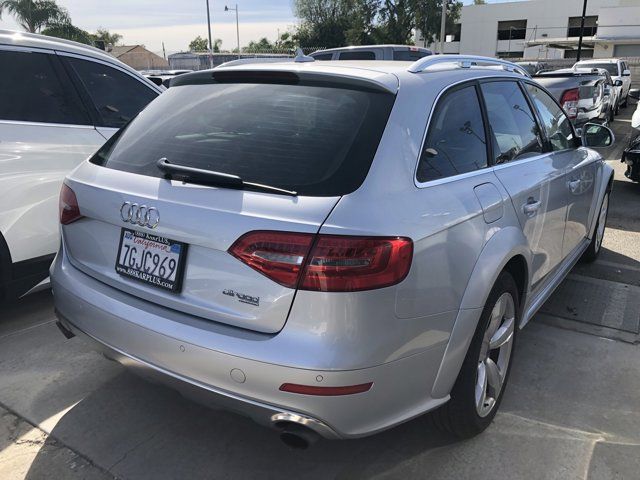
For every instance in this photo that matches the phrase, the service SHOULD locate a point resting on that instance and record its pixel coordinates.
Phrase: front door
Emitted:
(580, 167)
(533, 176)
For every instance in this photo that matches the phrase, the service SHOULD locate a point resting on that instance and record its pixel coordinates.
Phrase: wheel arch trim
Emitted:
(505, 245)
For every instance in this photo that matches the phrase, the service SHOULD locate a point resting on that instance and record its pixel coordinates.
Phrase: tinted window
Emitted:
(456, 141)
(514, 130)
(117, 96)
(33, 90)
(362, 55)
(311, 139)
(323, 56)
(556, 123)
(408, 55)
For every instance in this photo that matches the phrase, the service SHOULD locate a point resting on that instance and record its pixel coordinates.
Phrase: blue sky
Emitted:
(177, 22)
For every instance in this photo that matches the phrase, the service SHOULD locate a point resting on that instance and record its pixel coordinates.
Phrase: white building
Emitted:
(544, 29)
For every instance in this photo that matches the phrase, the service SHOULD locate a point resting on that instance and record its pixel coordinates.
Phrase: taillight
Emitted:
(569, 102)
(327, 263)
(69, 209)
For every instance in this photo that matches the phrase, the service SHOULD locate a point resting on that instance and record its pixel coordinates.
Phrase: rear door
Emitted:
(580, 170)
(45, 132)
(533, 177)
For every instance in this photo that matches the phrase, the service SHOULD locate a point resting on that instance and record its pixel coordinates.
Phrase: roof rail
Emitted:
(464, 61)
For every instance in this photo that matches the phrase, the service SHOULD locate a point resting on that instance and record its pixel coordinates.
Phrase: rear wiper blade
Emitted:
(213, 178)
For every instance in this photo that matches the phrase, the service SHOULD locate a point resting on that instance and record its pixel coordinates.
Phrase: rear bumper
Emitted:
(139, 335)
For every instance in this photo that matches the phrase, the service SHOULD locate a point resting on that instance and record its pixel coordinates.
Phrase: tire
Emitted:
(626, 101)
(463, 415)
(610, 118)
(594, 248)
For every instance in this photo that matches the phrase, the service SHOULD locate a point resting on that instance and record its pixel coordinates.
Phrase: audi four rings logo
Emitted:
(140, 215)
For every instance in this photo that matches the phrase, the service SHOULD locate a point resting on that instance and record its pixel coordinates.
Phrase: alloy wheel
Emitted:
(495, 354)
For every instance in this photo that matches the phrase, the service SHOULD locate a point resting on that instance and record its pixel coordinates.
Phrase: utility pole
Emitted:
(443, 23)
(228, 9)
(584, 13)
(164, 53)
(210, 44)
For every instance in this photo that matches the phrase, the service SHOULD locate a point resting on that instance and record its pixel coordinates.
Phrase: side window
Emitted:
(555, 122)
(358, 55)
(323, 56)
(455, 141)
(514, 131)
(117, 96)
(408, 55)
(32, 90)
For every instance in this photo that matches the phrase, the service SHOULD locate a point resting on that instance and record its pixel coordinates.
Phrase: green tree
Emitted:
(285, 42)
(262, 45)
(200, 44)
(34, 15)
(398, 19)
(102, 34)
(69, 32)
(479, 2)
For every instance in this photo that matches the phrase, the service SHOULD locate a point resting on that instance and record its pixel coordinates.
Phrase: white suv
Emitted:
(59, 102)
(619, 70)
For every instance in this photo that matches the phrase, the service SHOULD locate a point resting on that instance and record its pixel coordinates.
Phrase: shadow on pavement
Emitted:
(175, 438)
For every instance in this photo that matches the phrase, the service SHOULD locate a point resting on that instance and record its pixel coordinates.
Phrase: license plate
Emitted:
(154, 260)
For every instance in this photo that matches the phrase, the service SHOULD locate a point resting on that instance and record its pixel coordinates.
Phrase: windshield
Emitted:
(315, 140)
(612, 68)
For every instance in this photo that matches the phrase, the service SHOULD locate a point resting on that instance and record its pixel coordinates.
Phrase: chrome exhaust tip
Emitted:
(297, 436)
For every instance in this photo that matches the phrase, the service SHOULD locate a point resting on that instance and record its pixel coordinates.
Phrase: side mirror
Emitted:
(595, 135)
(617, 83)
(626, 73)
(635, 94)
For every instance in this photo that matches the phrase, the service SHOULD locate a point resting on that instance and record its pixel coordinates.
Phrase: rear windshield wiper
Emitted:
(213, 178)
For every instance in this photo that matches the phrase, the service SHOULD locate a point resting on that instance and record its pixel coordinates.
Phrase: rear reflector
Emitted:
(325, 391)
(69, 209)
(327, 263)
(569, 102)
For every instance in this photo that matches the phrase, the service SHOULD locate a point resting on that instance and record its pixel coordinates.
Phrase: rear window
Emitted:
(315, 140)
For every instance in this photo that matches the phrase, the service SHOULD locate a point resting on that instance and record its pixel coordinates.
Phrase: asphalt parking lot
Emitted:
(571, 410)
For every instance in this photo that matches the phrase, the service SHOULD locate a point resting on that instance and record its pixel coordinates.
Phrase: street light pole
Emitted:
(584, 13)
(226, 9)
(210, 44)
(443, 23)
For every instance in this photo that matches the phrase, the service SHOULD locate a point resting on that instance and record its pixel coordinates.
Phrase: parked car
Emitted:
(620, 73)
(631, 154)
(332, 249)
(373, 52)
(59, 102)
(587, 95)
(163, 77)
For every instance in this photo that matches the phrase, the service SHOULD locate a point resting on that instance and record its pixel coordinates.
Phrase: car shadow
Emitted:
(136, 429)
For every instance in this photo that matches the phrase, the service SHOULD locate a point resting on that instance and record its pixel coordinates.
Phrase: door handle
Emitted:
(574, 185)
(531, 207)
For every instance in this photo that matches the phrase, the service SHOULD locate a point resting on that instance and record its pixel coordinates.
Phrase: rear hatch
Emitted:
(203, 166)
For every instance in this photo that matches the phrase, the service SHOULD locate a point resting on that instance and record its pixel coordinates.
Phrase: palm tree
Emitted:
(33, 15)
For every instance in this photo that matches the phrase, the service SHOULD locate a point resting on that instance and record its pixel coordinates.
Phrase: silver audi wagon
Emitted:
(332, 248)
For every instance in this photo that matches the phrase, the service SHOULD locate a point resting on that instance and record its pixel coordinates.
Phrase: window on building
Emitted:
(512, 29)
(590, 26)
(510, 54)
(453, 34)
(456, 141)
